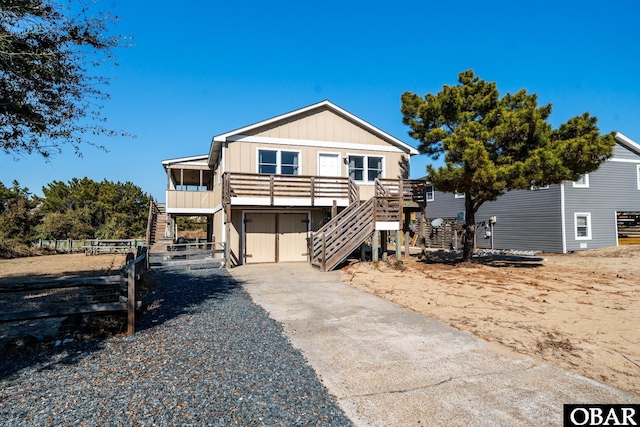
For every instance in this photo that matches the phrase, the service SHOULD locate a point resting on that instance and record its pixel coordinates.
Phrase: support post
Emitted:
(324, 252)
(407, 244)
(398, 243)
(375, 245)
(362, 252)
(384, 239)
(334, 209)
(227, 237)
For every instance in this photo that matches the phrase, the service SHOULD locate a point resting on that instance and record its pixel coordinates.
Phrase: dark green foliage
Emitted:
(83, 209)
(79, 209)
(492, 145)
(19, 214)
(49, 95)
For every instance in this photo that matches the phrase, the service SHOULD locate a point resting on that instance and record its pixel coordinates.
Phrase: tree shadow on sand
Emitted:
(165, 293)
(488, 259)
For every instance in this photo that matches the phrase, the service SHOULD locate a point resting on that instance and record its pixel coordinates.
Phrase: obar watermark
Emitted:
(601, 415)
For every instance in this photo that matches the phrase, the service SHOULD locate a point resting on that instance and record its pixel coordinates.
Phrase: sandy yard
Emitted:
(579, 311)
(59, 266)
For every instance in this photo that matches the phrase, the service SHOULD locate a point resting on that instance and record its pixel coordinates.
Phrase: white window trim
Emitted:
(433, 193)
(586, 182)
(575, 225)
(458, 195)
(365, 175)
(638, 175)
(278, 159)
(333, 153)
(536, 188)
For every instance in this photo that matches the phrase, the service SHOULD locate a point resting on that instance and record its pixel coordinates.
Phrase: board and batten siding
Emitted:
(242, 157)
(319, 125)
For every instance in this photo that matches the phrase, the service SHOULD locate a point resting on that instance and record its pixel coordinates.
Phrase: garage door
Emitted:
(275, 237)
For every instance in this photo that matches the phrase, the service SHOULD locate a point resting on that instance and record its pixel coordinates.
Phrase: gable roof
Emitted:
(627, 142)
(217, 141)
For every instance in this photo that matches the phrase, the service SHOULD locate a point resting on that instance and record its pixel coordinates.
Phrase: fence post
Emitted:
(131, 298)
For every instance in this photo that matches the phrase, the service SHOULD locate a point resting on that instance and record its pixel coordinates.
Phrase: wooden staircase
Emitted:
(338, 238)
(156, 223)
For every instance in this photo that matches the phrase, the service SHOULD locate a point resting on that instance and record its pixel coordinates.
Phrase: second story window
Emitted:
(365, 168)
(430, 193)
(275, 162)
(582, 182)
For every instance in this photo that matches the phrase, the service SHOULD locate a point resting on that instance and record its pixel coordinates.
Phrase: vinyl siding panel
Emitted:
(622, 152)
(526, 220)
(612, 188)
(444, 205)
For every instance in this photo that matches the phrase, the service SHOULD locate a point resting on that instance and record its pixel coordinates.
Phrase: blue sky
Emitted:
(198, 69)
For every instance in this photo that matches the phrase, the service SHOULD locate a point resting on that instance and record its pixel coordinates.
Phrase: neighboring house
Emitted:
(266, 187)
(561, 218)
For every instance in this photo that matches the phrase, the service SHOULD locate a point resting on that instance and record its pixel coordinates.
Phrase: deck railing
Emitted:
(273, 187)
(410, 189)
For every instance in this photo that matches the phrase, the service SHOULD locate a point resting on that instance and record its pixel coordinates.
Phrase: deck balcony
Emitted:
(300, 190)
(192, 202)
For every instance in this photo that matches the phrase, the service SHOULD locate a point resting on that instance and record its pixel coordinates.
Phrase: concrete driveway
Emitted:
(388, 366)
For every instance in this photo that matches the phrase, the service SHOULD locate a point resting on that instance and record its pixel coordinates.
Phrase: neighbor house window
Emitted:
(276, 162)
(582, 182)
(459, 195)
(638, 176)
(583, 226)
(365, 168)
(535, 187)
(430, 193)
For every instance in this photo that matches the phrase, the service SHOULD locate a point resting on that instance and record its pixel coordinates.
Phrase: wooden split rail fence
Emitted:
(188, 254)
(90, 246)
(104, 293)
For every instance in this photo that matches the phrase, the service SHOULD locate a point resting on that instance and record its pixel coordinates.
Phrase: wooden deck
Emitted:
(303, 190)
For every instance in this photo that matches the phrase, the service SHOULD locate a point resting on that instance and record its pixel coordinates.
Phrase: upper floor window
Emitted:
(458, 195)
(278, 162)
(582, 182)
(430, 193)
(365, 168)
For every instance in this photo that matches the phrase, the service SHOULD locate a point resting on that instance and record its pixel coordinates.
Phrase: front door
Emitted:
(329, 164)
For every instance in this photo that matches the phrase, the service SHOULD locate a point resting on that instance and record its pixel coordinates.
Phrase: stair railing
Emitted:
(151, 222)
(342, 235)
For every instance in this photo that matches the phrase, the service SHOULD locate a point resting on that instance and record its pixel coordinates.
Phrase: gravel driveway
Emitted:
(204, 354)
